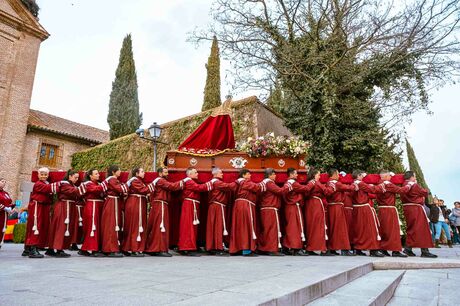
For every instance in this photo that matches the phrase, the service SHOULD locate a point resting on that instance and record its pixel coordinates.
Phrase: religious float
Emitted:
(212, 144)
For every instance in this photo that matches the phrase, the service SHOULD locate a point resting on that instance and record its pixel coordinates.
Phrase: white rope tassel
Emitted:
(195, 215)
(117, 228)
(254, 237)
(223, 220)
(80, 219)
(4, 225)
(35, 228)
(324, 218)
(67, 220)
(278, 227)
(141, 229)
(93, 226)
(162, 225)
(302, 234)
(375, 223)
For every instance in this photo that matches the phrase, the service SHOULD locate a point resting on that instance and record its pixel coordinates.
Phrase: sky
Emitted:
(77, 64)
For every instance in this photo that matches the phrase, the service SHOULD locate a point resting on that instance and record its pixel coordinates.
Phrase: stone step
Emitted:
(320, 288)
(375, 288)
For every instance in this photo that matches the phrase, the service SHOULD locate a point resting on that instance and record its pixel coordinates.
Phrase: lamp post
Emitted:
(155, 132)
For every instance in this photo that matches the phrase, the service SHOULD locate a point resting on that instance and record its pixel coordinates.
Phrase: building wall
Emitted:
(30, 156)
(18, 59)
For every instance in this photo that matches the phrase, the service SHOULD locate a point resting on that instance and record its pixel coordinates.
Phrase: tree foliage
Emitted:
(212, 87)
(351, 71)
(31, 6)
(124, 117)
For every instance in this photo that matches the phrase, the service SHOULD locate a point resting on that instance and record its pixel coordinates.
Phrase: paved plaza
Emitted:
(208, 280)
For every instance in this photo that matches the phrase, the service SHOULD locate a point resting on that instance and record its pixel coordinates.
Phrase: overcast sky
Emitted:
(77, 65)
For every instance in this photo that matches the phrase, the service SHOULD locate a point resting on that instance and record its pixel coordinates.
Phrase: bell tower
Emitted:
(20, 39)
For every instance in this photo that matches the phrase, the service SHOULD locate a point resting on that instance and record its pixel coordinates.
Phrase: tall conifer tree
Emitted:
(212, 87)
(124, 117)
(415, 166)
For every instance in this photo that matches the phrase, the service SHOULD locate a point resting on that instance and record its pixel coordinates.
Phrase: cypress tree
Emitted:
(276, 100)
(415, 166)
(212, 87)
(124, 117)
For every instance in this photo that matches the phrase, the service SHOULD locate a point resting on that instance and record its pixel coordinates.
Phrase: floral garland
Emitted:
(269, 145)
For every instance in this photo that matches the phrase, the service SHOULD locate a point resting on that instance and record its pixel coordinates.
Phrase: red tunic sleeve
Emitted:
(163, 183)
(272, 187)
(138, 187)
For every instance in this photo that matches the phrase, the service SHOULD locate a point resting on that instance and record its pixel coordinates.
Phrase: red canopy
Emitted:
(213, 135)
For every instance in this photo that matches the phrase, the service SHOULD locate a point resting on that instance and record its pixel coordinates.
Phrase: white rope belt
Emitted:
(346, 207)
(141, 228)
(302, 234)
(196, 221)
(277, 222)
(225, 233)
(373, 215)
(93, 226)
(250, 213)
(415, 204)
(80, 219)
(35, 227)
(397, 213)
(336, 203)
(162, 224)
(324, 217)
(67, 219)
(117, 228)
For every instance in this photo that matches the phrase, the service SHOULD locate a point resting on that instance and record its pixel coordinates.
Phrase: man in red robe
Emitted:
(111, 223)
(189, 221)
(216, 227)
(388, 215)
(418, 231)
(135, 220)
(243, 238)
(365, 227)
(6, 208)
(38, 220)
(338, 227)
(294, 237)
(270, 204)
(157, 243)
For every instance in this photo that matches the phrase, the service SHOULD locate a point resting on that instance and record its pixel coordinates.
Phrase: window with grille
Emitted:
(49, 155)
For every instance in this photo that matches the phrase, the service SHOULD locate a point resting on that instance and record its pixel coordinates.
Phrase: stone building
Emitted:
(29, 138)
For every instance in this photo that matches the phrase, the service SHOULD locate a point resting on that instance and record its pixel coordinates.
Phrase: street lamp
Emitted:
(155, 132)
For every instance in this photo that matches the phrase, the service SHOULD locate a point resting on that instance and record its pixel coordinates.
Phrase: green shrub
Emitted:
(19, 233)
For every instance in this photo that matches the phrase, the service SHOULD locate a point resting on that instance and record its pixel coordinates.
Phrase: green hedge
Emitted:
(19, 233)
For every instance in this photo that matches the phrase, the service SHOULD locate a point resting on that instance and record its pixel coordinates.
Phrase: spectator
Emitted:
(455, 218)
(440, 219)
(432, 214)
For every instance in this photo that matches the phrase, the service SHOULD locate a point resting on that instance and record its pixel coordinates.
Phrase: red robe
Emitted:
(294, 237)
(189, 214)
(338, 227)
(6, 201)
(112, 222)
(243, 232)
(38, 221)
(315, 219)
(135, 222)
(76, 223)
(270, 229)
(388, 216)
(418, 234)
(216, 226)
(61, 227)
(365, 224)
(94, 199)
(158, 222)
(348, 209)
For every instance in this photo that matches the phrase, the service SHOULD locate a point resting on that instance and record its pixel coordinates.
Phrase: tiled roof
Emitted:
(54, 124)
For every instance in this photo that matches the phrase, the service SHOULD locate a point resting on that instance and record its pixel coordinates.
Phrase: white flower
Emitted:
(272, 134)
(249, 138)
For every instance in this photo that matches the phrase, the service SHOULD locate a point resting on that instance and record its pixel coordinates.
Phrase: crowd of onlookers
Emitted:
(444, 222)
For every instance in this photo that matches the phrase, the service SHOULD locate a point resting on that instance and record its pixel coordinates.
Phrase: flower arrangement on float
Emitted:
(271, 145)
